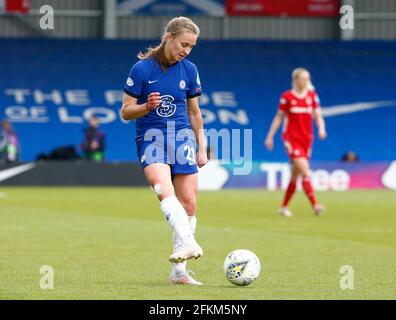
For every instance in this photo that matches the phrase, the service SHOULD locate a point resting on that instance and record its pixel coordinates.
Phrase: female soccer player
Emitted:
(161, 93)
(296, 108)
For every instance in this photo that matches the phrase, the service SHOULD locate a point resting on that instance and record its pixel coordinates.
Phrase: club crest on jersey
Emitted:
(308, 100)
(130, 82)
(182, 84)
(167, 108)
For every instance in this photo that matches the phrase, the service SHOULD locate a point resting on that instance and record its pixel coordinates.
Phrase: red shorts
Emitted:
(297, 149)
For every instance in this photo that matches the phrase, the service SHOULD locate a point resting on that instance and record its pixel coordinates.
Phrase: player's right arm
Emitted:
(132, 110)
(133, 91)
(276, 123)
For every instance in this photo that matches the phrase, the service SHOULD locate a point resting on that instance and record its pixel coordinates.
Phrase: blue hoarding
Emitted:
(49, 88)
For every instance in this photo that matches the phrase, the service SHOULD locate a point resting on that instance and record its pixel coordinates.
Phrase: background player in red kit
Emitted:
(296, 108)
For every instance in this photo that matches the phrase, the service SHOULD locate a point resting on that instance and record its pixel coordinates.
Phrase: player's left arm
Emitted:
(195, 117)
(320, 123)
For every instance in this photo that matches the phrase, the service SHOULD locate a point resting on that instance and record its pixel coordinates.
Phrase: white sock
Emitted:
(177, 242)
(177, 217)
(181, 267)
(192, 221)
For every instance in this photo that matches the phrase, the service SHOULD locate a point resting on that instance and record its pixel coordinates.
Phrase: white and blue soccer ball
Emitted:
(241, 267)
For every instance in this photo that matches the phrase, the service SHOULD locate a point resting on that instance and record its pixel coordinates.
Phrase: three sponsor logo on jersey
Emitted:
(167, 108)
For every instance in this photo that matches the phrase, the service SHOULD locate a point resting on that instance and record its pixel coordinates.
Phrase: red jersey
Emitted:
(299, 113)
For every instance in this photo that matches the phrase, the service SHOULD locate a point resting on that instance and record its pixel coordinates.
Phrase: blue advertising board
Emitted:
(50, 88)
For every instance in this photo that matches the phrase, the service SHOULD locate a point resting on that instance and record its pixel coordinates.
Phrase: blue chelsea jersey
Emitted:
(179, 82)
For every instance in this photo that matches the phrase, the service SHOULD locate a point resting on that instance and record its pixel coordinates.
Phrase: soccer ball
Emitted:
(241, 267)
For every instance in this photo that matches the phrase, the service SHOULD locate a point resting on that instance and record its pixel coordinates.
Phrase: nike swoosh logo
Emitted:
(150, 82)
(12, 172)
(355, 107)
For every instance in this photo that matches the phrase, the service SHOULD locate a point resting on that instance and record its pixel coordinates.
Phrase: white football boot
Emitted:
(285, 212)
(189, 250)
(183, 278)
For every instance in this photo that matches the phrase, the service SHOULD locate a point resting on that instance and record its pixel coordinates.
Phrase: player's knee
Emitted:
(302, 171)
(163, 190)
(189, 205)
(295, 175)
(305, 175)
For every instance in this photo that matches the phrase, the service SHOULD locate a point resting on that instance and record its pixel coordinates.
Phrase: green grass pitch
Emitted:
(114, 243)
